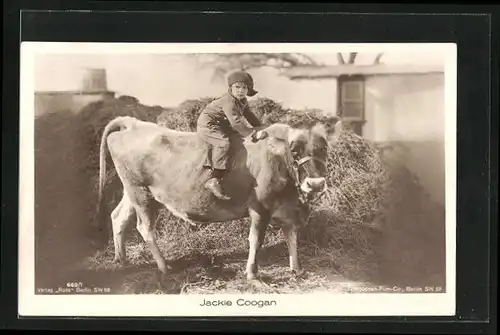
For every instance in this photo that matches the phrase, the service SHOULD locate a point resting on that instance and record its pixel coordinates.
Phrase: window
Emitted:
(351, 101)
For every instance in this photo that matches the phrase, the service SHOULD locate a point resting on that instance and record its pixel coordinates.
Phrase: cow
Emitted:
(270, 179)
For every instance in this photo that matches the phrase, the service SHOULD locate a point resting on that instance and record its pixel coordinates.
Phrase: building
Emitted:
(91, 86)
(396, 104)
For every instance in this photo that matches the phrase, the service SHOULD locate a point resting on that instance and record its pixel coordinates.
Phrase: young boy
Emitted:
(219, 119)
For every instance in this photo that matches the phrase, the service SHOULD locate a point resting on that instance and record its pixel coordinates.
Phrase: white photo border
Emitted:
(321, 304)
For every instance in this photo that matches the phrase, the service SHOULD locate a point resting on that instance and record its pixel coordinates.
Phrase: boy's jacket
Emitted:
(228, 113)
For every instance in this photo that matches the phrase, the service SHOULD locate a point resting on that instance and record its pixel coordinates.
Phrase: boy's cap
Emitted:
(243, 77)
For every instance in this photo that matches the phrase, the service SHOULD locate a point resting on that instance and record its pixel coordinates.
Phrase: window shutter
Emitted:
(352, 100)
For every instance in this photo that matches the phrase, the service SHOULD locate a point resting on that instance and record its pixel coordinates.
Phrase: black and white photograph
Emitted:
(237, 179)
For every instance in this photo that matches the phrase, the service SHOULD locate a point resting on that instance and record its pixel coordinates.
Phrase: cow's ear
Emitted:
(332, 124)
(320, 130)
(296, 135)
(329, 128)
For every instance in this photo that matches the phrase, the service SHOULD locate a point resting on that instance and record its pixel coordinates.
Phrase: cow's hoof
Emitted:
(299, 273)
(160, 278)
(251, 277)
(119, 262)
(251, 271)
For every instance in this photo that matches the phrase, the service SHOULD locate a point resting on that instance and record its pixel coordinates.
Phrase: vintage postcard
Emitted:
(233, 179)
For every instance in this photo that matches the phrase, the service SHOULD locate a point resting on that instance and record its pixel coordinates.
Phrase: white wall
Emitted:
(409, 110)
(297, 94)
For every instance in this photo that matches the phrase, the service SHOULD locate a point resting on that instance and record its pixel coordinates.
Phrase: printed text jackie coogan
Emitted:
(238, 302)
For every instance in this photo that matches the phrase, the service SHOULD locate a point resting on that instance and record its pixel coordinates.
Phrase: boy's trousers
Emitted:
(217, 148)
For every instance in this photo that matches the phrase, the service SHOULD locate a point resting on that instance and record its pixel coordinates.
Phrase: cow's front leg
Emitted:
(260, 219)
(291, 235)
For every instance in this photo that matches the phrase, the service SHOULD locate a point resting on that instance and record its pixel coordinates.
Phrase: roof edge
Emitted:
(75, 92)
(333, 71)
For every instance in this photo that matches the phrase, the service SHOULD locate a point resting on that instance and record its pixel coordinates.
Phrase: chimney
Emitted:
(94, 80)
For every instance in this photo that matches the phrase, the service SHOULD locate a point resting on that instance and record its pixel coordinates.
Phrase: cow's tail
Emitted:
(117, 124)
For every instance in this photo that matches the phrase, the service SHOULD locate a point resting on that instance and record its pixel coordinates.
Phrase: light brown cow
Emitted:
(269, 179)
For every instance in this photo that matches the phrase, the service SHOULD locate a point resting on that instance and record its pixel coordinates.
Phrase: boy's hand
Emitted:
(259, 135)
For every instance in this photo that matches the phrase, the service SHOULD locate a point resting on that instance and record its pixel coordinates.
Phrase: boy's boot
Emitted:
(214, 185)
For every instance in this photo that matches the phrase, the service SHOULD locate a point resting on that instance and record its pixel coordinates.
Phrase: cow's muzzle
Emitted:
(313, 185)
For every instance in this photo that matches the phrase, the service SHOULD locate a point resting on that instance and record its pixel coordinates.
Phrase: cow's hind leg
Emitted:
(260, 219)
(121, 217)
(146, 218)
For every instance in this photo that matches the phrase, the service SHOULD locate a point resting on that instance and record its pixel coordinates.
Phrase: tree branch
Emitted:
(352, 57)
(377, 59)
(340, 58)
(223, 63)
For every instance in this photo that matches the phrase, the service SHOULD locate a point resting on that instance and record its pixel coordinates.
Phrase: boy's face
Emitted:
(239, 90)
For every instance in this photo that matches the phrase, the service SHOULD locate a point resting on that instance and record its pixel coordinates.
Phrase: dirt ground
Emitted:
(209, 276)
(212, 275)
